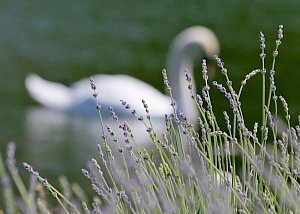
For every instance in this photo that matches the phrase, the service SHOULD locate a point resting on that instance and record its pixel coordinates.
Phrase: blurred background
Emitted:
(68, 40)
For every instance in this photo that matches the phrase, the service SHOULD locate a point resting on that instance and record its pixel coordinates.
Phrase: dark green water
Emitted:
(68, 40)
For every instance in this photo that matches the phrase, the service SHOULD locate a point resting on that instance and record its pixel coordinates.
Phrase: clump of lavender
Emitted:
(190, 168)
(186, 178)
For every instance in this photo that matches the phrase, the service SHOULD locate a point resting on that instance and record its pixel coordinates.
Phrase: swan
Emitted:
(77, 99)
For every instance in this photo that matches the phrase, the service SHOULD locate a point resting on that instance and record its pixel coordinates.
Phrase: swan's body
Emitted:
(113, 88)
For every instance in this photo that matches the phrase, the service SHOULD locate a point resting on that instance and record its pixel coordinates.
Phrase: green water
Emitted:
(68, 40)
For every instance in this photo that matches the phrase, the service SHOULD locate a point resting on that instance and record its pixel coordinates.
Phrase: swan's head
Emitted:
(194, 43)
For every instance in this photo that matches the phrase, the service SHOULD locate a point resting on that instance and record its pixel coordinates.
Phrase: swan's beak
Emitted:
(211, 69)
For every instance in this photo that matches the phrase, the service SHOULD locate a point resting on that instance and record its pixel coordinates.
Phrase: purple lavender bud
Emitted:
(27, 167)
(85, 173)
(123, 102)
(129, 148)
(110, 108)
(188, 76)
(182, 115)
(98, 107)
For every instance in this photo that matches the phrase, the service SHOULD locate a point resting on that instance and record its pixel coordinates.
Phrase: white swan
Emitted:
(186, 47)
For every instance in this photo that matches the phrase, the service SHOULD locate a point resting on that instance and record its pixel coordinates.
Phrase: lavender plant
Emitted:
(190, 168)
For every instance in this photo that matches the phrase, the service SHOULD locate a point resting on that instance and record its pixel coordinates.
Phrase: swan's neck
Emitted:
(192, 44)
(182, 95)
